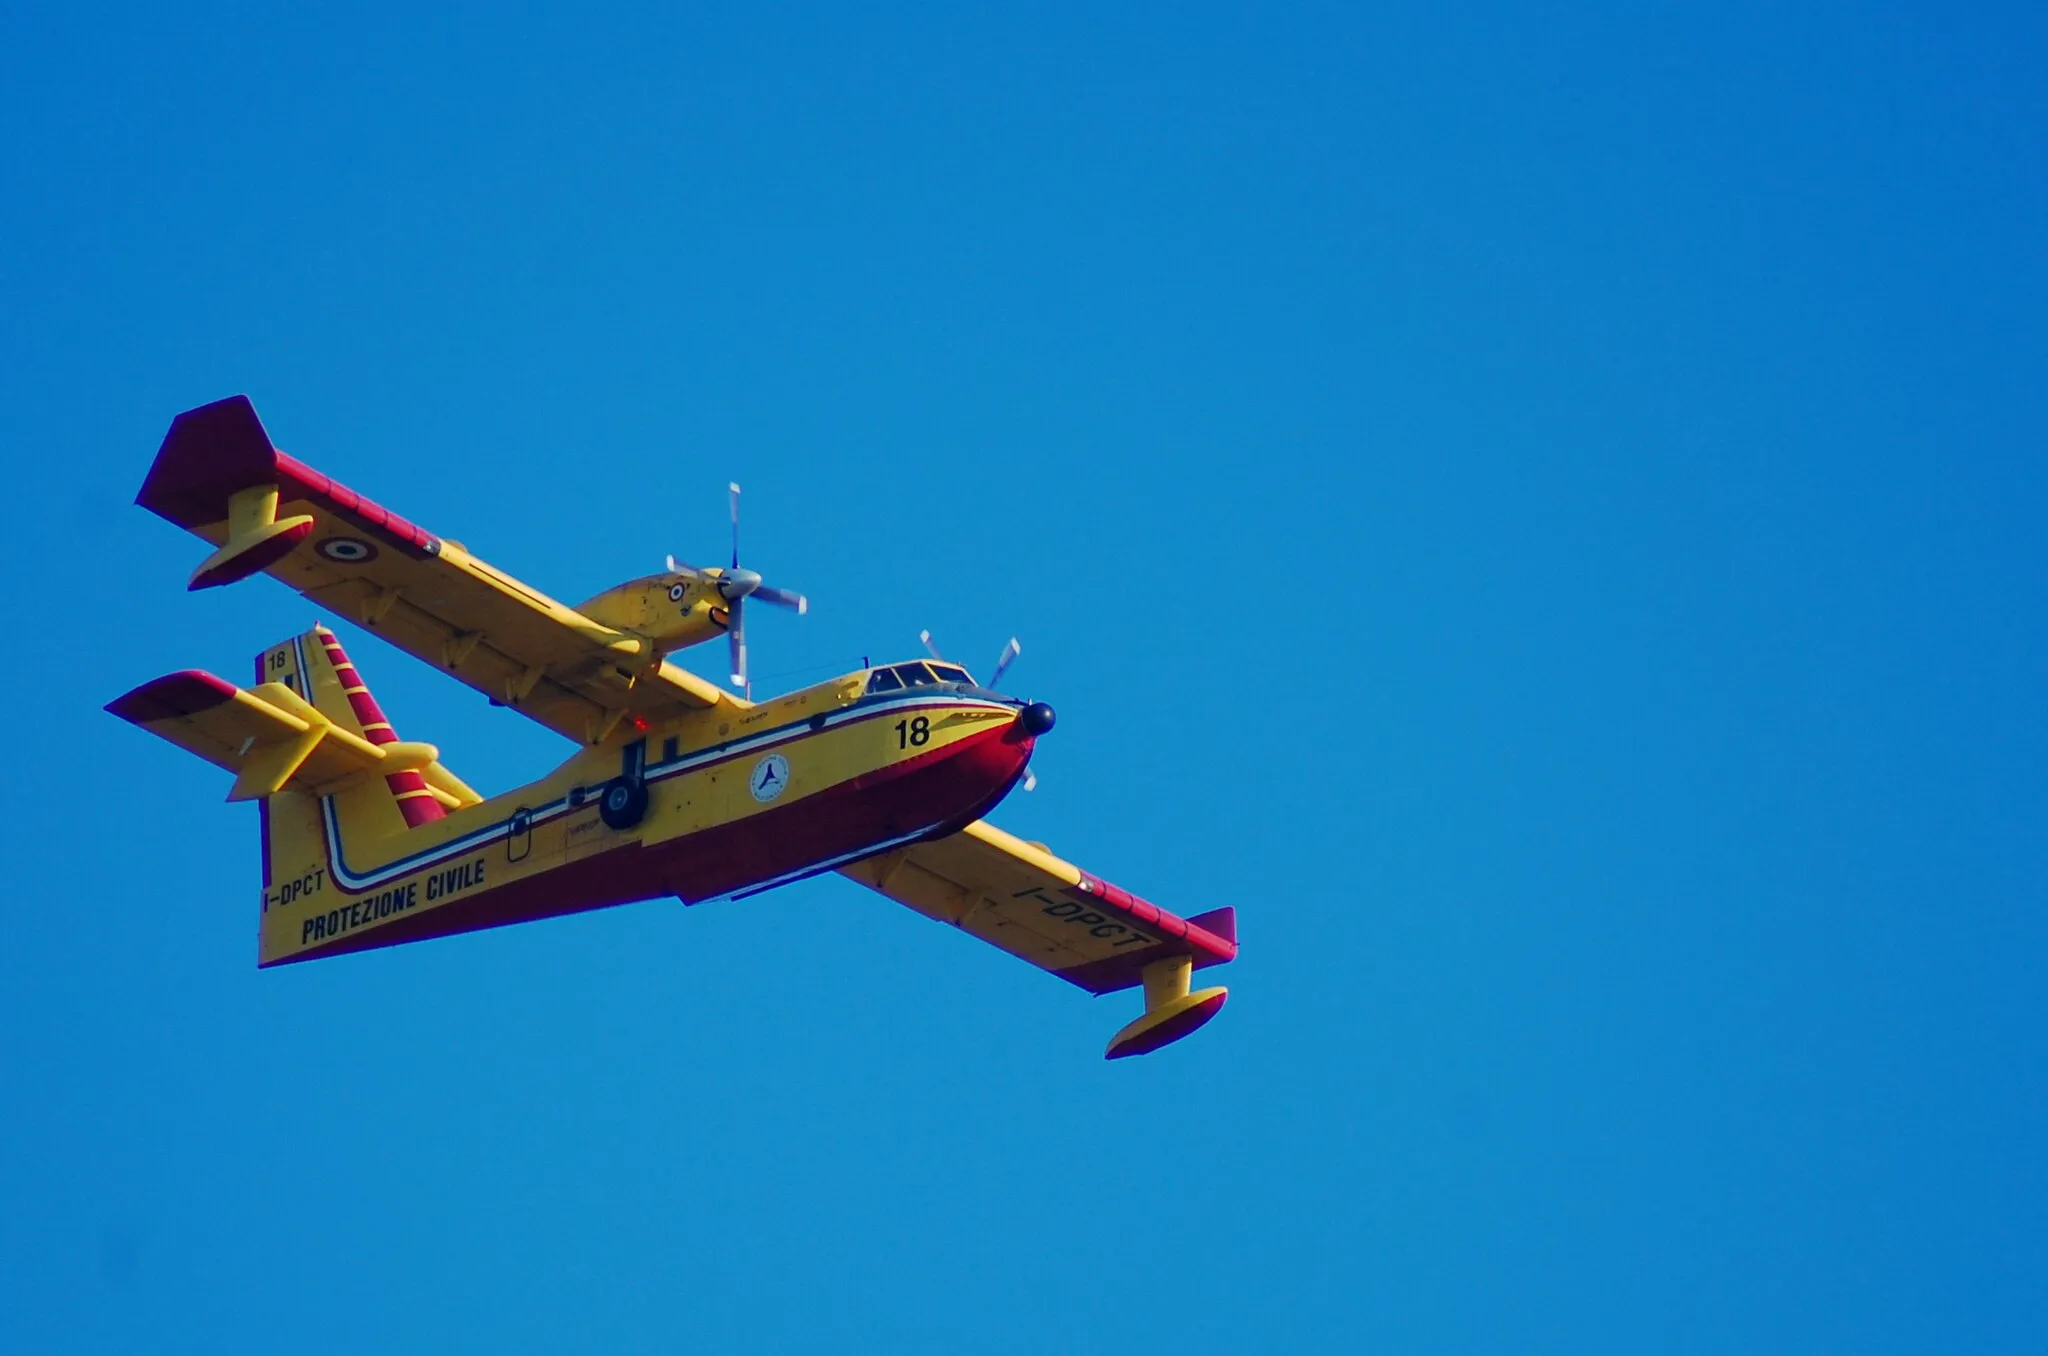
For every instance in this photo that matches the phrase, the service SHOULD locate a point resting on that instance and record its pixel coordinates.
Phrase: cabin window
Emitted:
(916, 675)
(883, 680)
(952, 673)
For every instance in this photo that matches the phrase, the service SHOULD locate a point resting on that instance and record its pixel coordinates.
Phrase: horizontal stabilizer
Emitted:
(272, 739)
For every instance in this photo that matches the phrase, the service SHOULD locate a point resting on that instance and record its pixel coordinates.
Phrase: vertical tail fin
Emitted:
(294, 844)
(310, 745)
(303, 834)
(317, 667)
(415, 801)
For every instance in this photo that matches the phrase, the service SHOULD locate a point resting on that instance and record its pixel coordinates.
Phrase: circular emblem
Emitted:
(770, 778)
(347, 550)
(675, 593)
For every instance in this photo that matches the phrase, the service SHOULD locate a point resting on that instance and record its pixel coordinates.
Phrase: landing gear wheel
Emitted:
(623, 804)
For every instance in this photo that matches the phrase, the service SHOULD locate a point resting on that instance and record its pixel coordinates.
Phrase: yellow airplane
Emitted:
(678, 787)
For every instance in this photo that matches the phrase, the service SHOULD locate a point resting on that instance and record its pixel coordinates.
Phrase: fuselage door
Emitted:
(519, 835)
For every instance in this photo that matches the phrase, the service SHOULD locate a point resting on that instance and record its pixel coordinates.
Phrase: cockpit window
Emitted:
(916, 674)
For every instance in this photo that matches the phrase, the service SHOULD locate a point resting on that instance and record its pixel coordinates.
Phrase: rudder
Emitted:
(317, 667)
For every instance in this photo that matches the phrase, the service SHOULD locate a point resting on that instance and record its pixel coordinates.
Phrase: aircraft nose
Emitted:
(1037, 718)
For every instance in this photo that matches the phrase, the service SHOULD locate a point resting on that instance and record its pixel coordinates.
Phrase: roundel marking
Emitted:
(675, 593)
(770, 778)
(347, 550)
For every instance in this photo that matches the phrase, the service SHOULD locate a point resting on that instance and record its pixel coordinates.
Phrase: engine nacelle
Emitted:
(669, 611)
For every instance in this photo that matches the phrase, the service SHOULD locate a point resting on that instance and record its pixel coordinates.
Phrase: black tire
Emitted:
(623, 803)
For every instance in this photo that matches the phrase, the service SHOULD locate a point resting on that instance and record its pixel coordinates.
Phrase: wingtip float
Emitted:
(677, 787)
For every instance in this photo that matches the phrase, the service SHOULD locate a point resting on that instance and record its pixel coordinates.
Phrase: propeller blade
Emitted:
(784, 598)
(677, 567)
(734, 489)
(1008, 657)
(930, 648)
(1030, 780)
(736, 645)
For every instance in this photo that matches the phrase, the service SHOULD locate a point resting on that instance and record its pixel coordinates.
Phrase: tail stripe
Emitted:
(415, 802)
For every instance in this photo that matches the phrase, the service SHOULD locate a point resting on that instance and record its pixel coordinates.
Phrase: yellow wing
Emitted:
(219, 476)
(1050, 912)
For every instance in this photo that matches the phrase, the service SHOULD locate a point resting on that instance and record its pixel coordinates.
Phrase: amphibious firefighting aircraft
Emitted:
(678, 787)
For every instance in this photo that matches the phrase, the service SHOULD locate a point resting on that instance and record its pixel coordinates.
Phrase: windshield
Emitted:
(916, 674)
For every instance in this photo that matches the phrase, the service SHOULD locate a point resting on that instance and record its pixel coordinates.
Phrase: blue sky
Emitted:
(1540, 511)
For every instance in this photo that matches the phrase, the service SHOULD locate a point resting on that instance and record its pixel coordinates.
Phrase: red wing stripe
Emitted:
(1200, 940)
(215, 450)
(341, 500)
(1178, 937)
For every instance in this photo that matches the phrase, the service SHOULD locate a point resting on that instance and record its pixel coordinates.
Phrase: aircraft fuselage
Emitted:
(726, 804)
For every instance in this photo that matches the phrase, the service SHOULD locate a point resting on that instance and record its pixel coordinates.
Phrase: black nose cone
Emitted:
(1037, 718)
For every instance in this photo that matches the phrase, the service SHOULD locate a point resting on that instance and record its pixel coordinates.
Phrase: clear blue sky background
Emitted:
(1540, 510)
